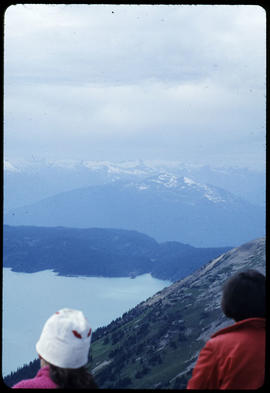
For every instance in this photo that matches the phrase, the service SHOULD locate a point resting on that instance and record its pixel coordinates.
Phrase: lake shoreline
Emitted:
(39, 294)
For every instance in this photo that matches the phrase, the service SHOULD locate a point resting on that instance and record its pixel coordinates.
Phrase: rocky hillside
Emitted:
(156, 344)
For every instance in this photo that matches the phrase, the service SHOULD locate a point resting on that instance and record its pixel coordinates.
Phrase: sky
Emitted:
(126, 82)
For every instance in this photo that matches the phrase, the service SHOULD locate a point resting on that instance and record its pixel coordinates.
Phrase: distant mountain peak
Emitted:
(181, 185)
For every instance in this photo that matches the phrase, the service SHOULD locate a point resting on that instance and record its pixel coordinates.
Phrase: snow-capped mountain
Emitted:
(183, 187)
(164, 206)
(137, 167)
(27, 182)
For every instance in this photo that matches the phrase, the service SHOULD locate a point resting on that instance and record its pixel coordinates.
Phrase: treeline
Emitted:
(129, 344)
(25, 372)
(135, 350)
(29, 370)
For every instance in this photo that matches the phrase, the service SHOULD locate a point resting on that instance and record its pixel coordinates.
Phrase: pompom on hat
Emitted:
(65, 339)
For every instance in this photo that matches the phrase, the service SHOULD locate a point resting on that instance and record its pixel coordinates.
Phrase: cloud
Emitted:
(90, 44)
(124, 80)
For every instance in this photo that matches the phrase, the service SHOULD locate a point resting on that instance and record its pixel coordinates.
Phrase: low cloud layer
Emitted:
(125, 82)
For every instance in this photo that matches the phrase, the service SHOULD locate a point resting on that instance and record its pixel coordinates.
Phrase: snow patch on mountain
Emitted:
(209, 193)
(167, 180)
(177, 184)
(143, 188)
(124, 167)
(189, 181)
(10, 167)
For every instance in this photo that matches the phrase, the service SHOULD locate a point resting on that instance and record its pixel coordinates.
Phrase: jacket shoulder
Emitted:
(41, 381)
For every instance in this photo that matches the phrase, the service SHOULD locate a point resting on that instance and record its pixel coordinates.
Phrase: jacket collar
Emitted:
(257, 323)
(44, 371)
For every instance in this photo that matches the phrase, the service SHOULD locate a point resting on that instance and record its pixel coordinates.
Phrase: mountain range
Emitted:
(156, 344)
(99, 252)
(28, 181)
(164, 206)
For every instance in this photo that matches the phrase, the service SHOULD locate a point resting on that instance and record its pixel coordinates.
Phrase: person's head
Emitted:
(244, 296)
(65, 339)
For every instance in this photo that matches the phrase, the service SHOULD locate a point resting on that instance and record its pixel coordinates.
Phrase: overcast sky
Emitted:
(127, 82)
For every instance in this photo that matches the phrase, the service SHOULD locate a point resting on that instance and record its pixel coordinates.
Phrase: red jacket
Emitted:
(234, 358)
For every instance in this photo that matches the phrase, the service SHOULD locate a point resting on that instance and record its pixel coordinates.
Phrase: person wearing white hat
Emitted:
(63, 349)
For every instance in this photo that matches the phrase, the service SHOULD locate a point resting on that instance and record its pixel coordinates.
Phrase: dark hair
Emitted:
(244, 296)
(67, 378)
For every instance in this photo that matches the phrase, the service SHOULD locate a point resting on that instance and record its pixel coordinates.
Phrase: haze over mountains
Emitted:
(40, 178)
(170, 202)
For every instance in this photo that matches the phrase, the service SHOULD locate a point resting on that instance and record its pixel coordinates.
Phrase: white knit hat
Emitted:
(65, 339)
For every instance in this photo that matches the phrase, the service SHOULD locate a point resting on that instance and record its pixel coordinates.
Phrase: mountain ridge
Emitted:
(165, 207)
(174, 323)
(99, 252)
(27, 181)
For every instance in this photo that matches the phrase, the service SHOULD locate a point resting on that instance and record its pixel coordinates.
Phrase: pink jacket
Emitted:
(41, 381)
(234, 358)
